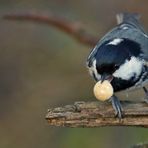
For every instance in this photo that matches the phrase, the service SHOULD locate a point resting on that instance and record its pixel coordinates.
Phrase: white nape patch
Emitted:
(115, 41)
(130, 68)
(93, 69)
(124, 27)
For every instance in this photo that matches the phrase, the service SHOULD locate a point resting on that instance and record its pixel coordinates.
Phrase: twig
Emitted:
(74, 29)
(97, 114)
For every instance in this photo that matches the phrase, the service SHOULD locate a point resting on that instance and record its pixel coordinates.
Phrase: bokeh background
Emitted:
(42, 67)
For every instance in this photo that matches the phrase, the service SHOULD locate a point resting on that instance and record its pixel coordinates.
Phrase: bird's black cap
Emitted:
(110, 56)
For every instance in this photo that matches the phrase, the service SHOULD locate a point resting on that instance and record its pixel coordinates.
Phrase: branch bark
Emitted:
(97, 114)
(74, 29)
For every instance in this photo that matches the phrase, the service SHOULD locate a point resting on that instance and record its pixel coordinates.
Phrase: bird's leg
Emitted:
(146, 95)
(117, 106)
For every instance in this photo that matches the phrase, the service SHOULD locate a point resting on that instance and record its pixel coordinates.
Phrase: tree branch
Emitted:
(74, 29)
(97, 114)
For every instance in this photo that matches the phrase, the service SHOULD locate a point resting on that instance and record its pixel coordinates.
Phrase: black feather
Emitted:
(110, 57)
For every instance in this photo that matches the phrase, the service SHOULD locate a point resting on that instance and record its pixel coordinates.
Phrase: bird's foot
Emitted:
(146, 95)
(117, 107)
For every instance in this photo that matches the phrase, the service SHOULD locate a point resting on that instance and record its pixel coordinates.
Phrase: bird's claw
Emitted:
(146, 95)
(117, 107)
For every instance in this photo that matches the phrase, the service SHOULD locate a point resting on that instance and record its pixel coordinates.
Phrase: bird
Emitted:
(121, 57)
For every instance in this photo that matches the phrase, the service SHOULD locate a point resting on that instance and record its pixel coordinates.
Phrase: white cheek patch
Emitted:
(130, 68)
(115, 41)
(93, 69)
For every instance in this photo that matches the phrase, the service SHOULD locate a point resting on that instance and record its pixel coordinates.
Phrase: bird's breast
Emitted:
(120, 84)
(134, 82)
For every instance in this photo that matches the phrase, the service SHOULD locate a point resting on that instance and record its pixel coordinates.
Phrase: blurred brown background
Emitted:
(42, 67)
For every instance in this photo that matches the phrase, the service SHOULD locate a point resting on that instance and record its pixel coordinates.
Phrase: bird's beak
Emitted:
(105, 76)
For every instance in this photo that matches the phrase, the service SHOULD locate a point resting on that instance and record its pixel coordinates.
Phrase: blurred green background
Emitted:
(42, 67)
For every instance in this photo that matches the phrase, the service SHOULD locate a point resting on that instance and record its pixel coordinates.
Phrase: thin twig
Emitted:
(97, 114)
(74, 29)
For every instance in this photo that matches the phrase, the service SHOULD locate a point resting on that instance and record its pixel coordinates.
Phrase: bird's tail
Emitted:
(129, 18)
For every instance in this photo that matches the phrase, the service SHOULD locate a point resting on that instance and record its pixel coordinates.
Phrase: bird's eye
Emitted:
(116, 66)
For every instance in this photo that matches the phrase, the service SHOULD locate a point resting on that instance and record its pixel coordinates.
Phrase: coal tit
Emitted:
(121, 57)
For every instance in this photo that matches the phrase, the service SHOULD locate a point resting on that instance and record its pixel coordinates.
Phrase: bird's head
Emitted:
(118, 58)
